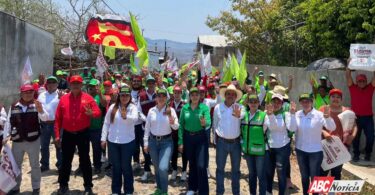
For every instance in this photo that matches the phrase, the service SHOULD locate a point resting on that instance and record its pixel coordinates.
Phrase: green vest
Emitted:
(253, 140)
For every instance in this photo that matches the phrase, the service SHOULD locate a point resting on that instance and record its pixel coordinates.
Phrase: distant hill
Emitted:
(183, 51)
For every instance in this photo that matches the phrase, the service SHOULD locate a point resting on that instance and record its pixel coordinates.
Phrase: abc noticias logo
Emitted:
(328, 184)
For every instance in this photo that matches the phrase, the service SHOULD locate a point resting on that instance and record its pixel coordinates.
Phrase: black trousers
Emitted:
(68, 145)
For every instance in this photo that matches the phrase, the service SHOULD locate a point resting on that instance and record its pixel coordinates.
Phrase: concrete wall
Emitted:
(18, 40)
(301, 82)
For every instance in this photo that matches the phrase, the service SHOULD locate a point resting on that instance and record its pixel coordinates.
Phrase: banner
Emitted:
(8, 170)
(101, 64)
(362, 57)
(335, 153)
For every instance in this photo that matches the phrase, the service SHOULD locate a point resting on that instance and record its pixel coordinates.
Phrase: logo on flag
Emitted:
(110, 30)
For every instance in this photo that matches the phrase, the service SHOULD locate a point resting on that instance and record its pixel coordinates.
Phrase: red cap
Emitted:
(26, 87)
(335, 91)
(177, 88)
(76, 78)
(202, 88)
(107, 83)
(361, 77)
(137, 77)
(118, 75)
(211, 86)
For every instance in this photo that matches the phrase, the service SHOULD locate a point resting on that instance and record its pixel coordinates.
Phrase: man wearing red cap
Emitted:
(73, 115)
(361, 95)
(23, 129)
(177, 104)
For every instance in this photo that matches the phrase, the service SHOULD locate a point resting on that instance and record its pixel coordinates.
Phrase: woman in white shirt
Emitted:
(118, 129)
(277, 157)
(310, 123)
(160, 122)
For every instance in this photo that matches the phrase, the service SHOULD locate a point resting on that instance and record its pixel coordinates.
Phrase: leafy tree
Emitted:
(275, 31)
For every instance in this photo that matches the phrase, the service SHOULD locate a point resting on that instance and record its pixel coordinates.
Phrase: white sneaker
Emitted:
(136, 166)
(191, 192)
(103, 159)
(145, 176)
(174, 175)
(183, 176)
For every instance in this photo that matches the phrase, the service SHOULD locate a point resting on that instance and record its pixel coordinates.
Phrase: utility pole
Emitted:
(165, 50)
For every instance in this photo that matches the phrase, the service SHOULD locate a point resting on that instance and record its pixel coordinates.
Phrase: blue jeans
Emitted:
(121, 159)
(309, 165)
(365, 123)
(224, 148)
(161, 153)
(277, 158)
(257, 170)
(139, 133)
(95, 136)
(195, 147)
(47, 131)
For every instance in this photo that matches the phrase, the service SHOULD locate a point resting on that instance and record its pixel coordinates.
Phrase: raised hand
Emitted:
(38, 106)
(326, 112)
(269, 109)
(60, 93)
(293, 108)
(236, 111)
(88, 110)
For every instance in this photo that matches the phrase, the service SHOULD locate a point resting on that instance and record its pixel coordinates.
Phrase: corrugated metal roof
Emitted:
(213, 40)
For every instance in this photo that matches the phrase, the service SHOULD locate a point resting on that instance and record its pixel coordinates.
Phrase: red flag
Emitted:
(111, 31)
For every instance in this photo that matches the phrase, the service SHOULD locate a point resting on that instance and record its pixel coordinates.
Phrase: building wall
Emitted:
(18, 40)
(301, 82)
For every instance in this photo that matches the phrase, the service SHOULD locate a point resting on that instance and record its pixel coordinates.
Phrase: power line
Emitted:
(109, 7)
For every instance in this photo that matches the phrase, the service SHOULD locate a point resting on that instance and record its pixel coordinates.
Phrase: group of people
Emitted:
(168, 115)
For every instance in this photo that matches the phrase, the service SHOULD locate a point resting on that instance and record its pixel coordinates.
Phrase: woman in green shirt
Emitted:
(194, 120)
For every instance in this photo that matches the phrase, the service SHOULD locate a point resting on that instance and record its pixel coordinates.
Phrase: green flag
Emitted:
(110, 52)
(242, 74)
(234, 67)
(133, 67)
(142, 53)
(227, 74)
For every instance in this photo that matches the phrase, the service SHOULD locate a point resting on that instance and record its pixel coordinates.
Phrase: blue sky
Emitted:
(178, 20)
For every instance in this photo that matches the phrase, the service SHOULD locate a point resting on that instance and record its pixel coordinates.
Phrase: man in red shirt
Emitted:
(73, 115)
(361, 95)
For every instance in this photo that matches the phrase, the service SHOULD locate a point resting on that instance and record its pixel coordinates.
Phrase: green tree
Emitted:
(274, 31)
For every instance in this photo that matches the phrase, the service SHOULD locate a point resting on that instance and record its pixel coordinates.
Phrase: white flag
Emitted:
(67, 51)
(8, 170)
(239, 56)
(202, 59)
(172, 65)
(101, 64)
(27, 72)
(207, 68)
